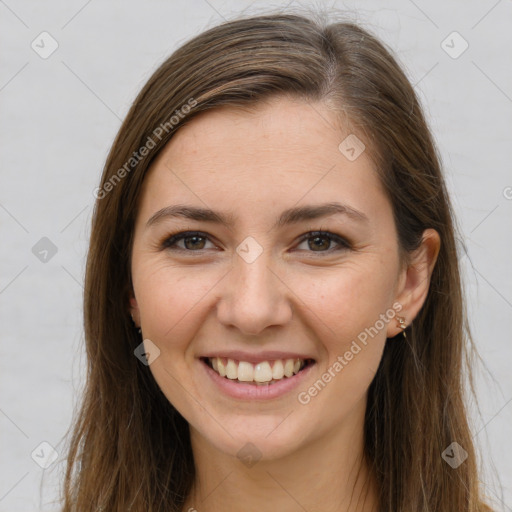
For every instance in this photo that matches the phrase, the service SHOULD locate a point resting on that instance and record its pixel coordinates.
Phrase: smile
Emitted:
(262, 373)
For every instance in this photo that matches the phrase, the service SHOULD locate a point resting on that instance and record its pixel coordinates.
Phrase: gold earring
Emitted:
(402, 324)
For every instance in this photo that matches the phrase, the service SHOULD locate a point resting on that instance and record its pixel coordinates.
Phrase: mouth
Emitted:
(263, 373)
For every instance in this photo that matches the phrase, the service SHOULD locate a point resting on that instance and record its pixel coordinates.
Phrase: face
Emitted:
(262, 252)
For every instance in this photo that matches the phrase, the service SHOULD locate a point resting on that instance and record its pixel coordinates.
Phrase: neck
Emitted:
(328, 475)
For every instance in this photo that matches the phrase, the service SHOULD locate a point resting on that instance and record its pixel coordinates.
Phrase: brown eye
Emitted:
(321, 241)
(192, 241)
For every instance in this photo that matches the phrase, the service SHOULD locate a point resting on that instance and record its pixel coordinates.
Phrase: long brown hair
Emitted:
(129, 448)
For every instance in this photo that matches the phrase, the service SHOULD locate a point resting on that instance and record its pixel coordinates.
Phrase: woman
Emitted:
(273, 306)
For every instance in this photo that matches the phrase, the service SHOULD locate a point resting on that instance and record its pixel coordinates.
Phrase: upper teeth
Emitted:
(260, 372)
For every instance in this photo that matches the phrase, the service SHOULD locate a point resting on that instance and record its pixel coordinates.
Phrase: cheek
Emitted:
(348, 310)
(168, 296)
(347, 298)
(344, 312)
(170, 300)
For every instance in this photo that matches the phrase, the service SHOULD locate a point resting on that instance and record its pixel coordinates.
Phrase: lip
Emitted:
(242, 391)
(256, 358)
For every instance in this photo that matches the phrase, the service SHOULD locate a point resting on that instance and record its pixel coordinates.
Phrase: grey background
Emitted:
(59, 116)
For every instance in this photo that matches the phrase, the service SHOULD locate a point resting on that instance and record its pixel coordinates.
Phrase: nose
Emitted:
(254, 297)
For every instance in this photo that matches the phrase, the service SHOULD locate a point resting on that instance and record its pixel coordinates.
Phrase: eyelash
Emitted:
(172, 239)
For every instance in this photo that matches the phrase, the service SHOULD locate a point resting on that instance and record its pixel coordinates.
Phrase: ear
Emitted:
(414, 281)
(134, 310)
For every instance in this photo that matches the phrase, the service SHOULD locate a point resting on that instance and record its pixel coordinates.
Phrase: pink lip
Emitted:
(244, 391)
(255, 358)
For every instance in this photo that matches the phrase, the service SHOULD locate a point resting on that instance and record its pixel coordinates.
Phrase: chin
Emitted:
(261, 441)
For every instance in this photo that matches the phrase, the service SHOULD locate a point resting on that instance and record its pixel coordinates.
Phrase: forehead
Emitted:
(272, 131)
(281, 153)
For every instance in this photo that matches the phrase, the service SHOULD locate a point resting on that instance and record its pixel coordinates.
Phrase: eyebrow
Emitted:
(290, 216)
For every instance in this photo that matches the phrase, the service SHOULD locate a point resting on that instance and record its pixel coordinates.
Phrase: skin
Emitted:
(295, 296)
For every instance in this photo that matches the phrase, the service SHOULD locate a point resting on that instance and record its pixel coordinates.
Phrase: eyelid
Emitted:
(327, 234)
(172, 239)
